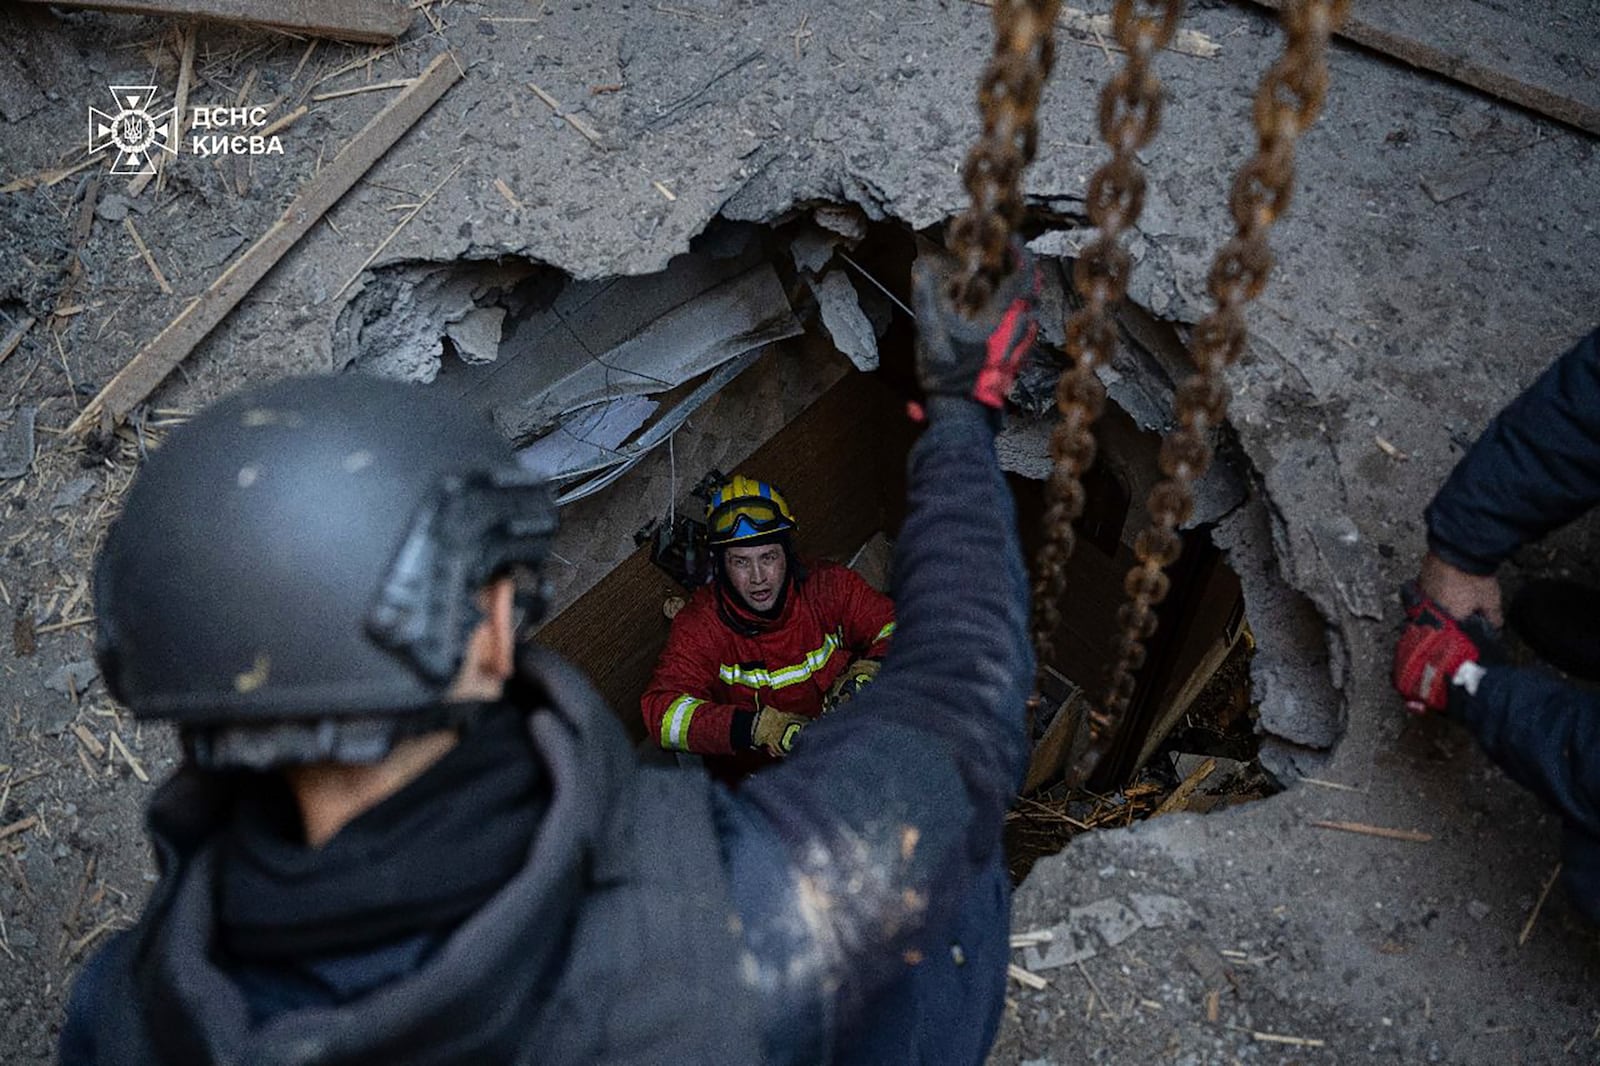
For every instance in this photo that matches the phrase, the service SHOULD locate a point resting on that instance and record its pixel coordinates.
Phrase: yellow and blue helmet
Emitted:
(743, 510)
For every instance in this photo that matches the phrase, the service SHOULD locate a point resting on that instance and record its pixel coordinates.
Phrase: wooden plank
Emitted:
(1051, 754)
(172, 345)
(1520, 58)
(371, 21)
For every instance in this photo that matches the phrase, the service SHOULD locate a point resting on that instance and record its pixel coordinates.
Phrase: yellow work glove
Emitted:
(775, 730)
(857, 676)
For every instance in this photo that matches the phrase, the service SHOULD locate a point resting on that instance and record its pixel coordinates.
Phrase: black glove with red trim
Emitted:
(975, 358)
(1432, 651)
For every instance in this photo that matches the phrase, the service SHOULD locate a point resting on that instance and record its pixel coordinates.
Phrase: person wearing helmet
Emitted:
(399, 837)
(767, 646)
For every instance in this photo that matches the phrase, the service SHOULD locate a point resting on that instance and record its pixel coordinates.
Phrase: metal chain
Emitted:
(1129, 115)
(1287, 101)
(1008, 96)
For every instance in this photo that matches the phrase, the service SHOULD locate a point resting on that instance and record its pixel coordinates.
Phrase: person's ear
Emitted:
(499, 621)
(490, 656)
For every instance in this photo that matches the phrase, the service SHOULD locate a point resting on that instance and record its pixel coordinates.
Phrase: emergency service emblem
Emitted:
(132, 130)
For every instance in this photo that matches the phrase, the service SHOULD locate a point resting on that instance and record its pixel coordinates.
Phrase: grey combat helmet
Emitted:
(294, 575)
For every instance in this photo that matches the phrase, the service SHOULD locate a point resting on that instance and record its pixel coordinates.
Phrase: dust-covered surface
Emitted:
(1396, 322)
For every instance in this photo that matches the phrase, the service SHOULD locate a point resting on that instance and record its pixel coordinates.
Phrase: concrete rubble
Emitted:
(1405, 307)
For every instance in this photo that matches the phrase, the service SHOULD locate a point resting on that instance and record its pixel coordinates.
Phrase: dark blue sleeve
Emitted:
(1535, 468)
(84, 1004)
(1545, 734)
(888, 812)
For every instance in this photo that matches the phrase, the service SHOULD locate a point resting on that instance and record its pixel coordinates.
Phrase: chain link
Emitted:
(1287, 101)
(1008, 95)
(1129, 115)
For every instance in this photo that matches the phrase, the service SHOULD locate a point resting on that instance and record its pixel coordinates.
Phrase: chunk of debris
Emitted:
(16, 441)
(73, 678)
(1071, 941)
(1113, 921)
(1158, 911)
(844, 320)
(74, 492)
(112, 207)
(812, 250)
(847, 220)
(477, 334)
(393, 327)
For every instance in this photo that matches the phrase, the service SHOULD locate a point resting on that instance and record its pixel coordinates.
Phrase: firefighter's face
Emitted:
(757, 574)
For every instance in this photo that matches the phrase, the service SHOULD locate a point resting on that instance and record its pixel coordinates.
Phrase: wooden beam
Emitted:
(1435, 36)
(371, 21)
(172, 345)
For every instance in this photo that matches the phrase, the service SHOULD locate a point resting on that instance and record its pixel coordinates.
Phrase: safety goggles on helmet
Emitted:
(747, 519)
(745, 509)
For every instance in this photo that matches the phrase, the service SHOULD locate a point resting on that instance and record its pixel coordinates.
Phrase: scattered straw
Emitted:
(1025, 978)
(1376, 831)
(1527, 928)
(144, 251)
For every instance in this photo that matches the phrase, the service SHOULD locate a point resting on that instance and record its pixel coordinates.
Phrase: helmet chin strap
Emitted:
(355, 741)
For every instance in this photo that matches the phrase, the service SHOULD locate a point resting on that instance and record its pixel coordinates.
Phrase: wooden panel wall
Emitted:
(841, 464)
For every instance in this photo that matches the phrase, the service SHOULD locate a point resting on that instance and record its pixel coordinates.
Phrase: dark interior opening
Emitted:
(841, 462)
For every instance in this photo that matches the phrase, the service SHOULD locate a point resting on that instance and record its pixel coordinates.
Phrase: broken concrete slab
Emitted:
(395, 326)
(625, 457)
(476, 334)
(1291, 665)
(844, 320)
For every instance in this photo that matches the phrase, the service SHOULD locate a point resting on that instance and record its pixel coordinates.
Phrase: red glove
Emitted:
(977, 357)
(1432, 648)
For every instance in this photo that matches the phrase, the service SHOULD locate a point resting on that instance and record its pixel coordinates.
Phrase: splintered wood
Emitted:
(172, 345)
(129, 757)
(1376, 831)
(346, 20)
(1023, 977)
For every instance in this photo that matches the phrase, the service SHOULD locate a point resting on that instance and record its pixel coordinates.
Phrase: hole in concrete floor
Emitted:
(782, 352)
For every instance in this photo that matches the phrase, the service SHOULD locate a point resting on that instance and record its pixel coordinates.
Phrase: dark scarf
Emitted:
(418, 863)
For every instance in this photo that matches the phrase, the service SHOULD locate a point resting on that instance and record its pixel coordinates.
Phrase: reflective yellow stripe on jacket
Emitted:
(884, 632)
(675, 723)
(786, 676)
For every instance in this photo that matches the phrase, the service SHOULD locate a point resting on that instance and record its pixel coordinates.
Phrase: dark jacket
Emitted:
(1535, 468)
(623, 894)
(865, 872)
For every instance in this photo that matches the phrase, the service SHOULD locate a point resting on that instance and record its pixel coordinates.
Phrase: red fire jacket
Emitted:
(709, 673)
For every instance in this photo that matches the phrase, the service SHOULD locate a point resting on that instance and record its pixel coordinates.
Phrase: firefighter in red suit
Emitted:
(767, 646)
